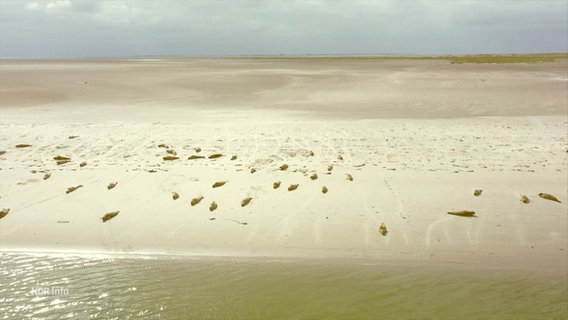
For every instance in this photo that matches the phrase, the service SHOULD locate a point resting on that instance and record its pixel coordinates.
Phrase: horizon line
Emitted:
(307, 55)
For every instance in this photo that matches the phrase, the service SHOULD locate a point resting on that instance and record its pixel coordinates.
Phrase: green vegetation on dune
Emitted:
(459, 59)
(506, 58)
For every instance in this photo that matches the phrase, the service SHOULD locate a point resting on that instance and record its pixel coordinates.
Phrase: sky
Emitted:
(126, 28)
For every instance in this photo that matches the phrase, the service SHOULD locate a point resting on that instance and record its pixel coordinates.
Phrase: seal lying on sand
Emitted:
(219, 184)
(4, 212)
(197, 200)
(61, 160)
(245, 201)
(548, 197)
(525, 199)
(109, 216)
(71, 189)
(383, 229)
(463, 213)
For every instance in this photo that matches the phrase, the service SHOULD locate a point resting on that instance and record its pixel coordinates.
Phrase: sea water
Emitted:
(71, 286)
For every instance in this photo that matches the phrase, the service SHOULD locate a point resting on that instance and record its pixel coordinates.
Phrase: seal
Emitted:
(109, 216)
(548, 196)
(71, 189)
(4, 212)
(525, 199)
(463, 213)
(245, 201)
(219, 184)
(195, 201)
(383, 229)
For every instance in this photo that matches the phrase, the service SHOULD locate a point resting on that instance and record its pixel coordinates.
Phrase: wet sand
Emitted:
(416, 137)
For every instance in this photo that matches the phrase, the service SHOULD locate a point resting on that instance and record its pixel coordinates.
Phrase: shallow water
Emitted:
(57, 286)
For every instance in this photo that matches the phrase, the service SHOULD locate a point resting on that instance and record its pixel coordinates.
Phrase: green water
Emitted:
(107, 287)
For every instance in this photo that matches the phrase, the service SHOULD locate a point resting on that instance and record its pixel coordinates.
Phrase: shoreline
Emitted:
(476, 264)
(475, 58)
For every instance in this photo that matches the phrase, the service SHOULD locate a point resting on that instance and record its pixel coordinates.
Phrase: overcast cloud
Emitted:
(106, 28)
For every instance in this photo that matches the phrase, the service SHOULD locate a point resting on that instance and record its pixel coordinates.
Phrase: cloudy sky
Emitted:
(106, 28)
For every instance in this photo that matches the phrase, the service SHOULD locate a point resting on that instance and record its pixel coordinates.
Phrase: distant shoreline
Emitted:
(459, 58)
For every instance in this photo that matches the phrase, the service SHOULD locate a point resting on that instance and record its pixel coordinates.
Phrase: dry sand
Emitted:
(417, 137)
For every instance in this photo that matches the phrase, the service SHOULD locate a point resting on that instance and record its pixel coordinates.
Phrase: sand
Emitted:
(416, 137)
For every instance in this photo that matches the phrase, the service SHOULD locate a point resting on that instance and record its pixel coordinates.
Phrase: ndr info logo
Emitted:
(40, 290)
